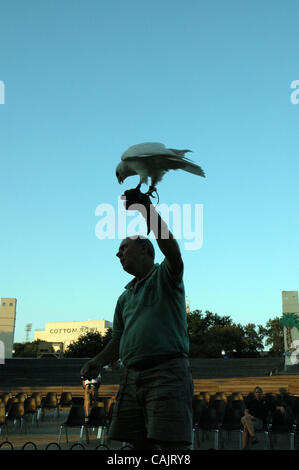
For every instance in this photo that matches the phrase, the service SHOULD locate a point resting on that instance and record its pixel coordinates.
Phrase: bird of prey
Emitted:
(153, 160)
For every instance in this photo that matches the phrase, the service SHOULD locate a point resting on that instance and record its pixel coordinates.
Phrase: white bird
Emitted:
(153, 160)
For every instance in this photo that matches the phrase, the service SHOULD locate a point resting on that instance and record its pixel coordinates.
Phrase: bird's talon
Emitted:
(150, 194)
(151, 191)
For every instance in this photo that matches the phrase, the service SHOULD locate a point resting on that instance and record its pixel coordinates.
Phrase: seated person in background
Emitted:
(256, 413)
(91, 388)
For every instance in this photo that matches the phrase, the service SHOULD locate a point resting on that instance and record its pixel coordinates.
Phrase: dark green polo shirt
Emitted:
(150, 317)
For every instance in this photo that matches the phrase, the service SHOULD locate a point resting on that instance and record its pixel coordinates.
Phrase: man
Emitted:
(256, 414)
(154, 403)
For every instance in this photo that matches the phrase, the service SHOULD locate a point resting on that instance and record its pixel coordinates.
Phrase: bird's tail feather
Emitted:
(195, 169)
(181, 155)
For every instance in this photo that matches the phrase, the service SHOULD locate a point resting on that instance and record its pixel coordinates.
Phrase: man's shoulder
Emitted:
(121, 299)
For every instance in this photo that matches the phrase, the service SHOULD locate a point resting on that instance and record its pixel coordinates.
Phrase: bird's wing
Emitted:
(148, 149)
(186, 164)
(165, 163)
(156, 156)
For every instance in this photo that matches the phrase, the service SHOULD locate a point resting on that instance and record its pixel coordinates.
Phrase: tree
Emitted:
(273, 332)
(211, 334)
(87, 345)
(252, 340)
(223, 338)
(197, 321)
(199, 325)
(28, 349)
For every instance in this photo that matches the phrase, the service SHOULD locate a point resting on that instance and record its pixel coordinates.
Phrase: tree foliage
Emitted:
(28, 349)
(211, 336)
(273, 333)
(290, 320)
(252, 340)
(88, 344)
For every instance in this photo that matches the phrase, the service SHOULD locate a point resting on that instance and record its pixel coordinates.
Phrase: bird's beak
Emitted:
(120, 180)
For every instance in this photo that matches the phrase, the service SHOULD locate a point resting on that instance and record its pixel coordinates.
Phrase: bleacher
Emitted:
(213, 375)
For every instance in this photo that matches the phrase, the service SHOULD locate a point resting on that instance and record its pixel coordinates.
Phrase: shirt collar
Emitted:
(132, 284)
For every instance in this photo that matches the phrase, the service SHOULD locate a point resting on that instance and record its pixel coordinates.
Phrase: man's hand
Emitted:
(135, 196)
(136, 200)
(90, 369)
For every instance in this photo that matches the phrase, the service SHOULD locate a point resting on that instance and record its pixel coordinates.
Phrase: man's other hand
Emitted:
(90, 370)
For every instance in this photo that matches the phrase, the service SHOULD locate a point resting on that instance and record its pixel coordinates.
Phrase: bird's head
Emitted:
(120, 175)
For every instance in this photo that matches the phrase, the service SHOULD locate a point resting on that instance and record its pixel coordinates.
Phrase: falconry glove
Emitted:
(136, 197)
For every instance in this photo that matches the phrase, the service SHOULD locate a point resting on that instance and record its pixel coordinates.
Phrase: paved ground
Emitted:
(47, 431)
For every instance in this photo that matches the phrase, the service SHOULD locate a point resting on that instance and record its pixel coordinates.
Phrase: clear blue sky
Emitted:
(84, 80)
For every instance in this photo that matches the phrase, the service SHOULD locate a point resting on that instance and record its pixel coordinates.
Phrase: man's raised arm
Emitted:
(166, 241)
(135, 200)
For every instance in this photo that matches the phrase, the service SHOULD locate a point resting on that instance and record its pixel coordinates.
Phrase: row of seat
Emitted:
(99, 419)
(215, 413)
(50, 398)
(17, 408)
(50, 401)
(221, 413)
(20, 405)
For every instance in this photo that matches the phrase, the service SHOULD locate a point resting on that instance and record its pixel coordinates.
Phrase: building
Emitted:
(52, 349)
(7, 325)
(68, 332)
(290, 305)
(290, 301)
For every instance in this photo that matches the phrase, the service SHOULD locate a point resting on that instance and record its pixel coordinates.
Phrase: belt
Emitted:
(155, 361)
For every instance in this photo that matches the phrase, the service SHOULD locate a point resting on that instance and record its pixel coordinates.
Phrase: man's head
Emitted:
(136, 255)
(258, 392)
